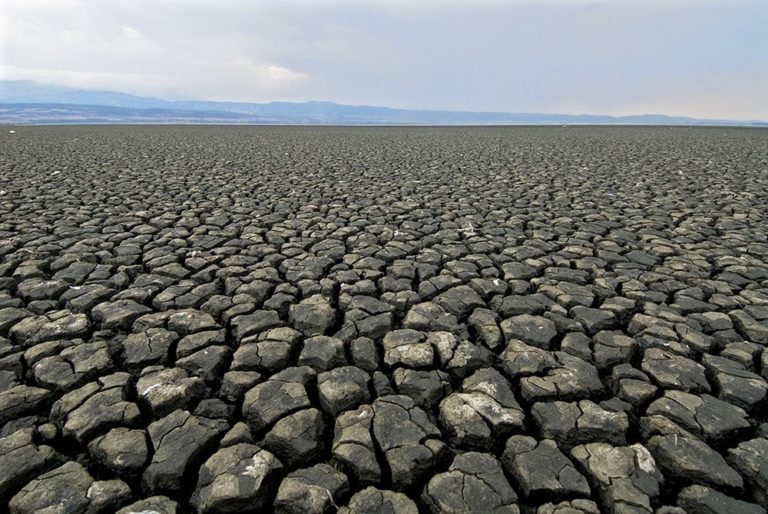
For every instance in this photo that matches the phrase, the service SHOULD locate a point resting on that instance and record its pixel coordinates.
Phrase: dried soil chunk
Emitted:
(311, 490)
(373, 500)
(541, 469)
(178, 440)
(70, 488)
(474, 482)
(626, 477)
(21, 460)
(240, 478)
(691, 460)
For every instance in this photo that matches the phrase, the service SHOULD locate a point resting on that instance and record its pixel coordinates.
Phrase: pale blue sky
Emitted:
(704, 58)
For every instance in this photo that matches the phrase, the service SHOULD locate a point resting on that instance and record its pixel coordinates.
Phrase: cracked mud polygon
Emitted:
(306, 320)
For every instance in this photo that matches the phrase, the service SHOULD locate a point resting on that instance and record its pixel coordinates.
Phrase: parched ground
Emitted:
(550, 320)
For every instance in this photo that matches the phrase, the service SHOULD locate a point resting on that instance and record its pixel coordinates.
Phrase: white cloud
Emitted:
(172, 49)
(612, 56)
(281, 74)
(81, 79)
(132, 33)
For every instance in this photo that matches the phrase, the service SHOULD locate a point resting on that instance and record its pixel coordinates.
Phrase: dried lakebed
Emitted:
(305, 320)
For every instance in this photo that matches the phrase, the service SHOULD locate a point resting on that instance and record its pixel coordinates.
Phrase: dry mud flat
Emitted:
(550, 320)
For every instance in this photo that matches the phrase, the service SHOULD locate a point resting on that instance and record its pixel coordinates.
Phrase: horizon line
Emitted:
(700, 121)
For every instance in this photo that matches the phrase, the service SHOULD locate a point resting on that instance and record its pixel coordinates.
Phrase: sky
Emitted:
(702, 58)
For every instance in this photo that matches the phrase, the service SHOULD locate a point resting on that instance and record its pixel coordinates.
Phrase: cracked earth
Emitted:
(395, 320)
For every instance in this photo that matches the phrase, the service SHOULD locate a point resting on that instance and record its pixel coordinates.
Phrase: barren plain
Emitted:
(556, 320)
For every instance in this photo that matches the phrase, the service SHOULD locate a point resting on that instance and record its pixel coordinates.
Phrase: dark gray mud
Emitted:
(241, 319)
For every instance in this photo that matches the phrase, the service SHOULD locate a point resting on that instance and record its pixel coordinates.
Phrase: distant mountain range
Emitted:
(27, 102)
